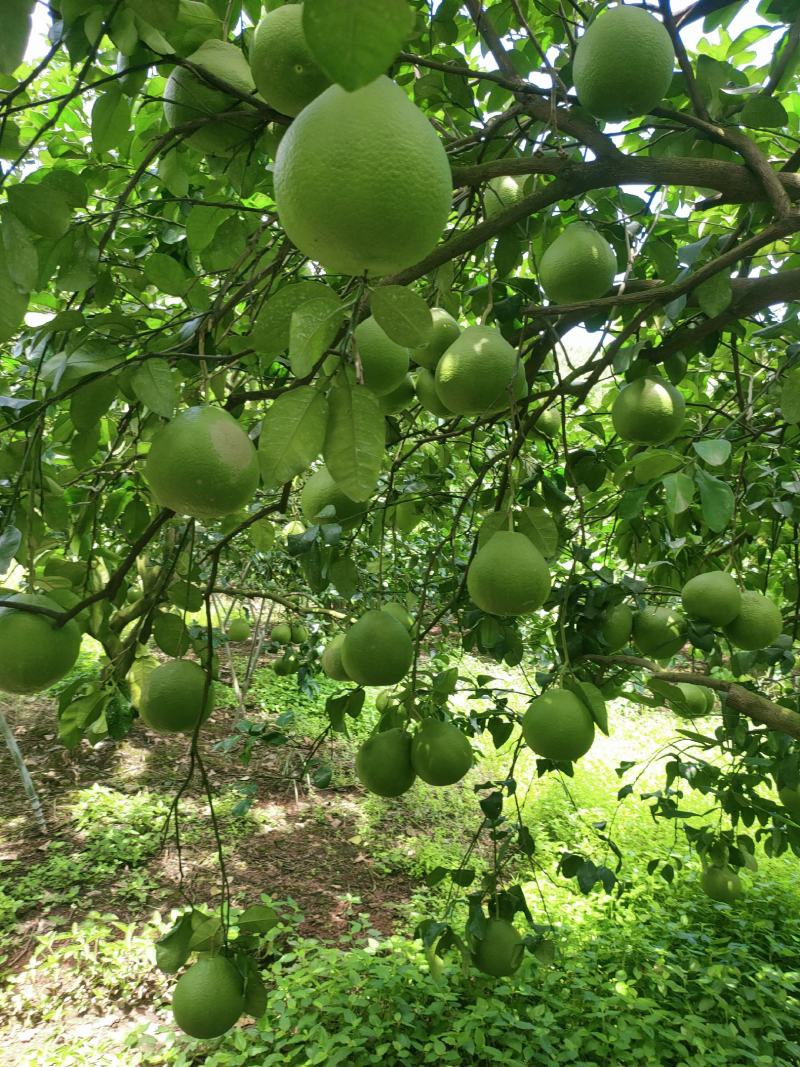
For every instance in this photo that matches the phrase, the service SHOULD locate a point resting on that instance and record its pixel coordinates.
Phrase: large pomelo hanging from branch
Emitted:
(202, 464)
(477, 371)
(362, 182)
(283, 68)
(508, 576)
(34, 653)
(187, 97)
(623, 64)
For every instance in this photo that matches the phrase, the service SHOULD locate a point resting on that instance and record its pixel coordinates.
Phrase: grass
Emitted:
(657, 975)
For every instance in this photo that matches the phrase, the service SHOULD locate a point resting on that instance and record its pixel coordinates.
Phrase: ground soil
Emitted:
(301, 844)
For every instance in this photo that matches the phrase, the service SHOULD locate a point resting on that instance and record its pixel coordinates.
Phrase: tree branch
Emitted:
(753, 705)
(736, 182)
(781, 62)
(760, 293)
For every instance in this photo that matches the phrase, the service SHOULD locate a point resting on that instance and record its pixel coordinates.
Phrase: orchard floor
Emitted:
(659, 976)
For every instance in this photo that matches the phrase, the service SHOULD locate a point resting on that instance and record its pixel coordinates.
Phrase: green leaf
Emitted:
(20, 255)
(344, 575)
(262, 534)
(354, 41)
(172, 950)
(41, 208)
(679, 492)
(74, 719)
(714, 295)
(173, 176)
(312, 329)
(655, 463)
(13, 304)
(716, 499)
(153, 385)
(10, 540)
(88, 405)
(271, 330)
(292, 434)
(201, 224)
(764, 111)
(159, 13)
(166, 274)
(714, 452)
(402, 315)
(355, 440)
(15, 33)
(592, 699)
(111, 119)
(790, 396)
(540, 528)
(258, 919)
(255, 992)
(206, 932)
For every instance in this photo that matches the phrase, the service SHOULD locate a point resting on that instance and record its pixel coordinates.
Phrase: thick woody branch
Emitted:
(736, 182)
(752, 705)
(782, 59)
(758, 294)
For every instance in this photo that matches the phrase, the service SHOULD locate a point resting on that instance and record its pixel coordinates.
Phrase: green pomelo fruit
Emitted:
(445, 331)
(548, 424)
(711, 700)
(208, 998)
(384, 363)
(558, 726)
(499, 952)
(283, 68)
(426, 394)
(187, 98)
(648, 411)
(238, 630)
(623, 64)
(202, 464)
(399, 612)
(659, 632)
(299, 633)
(713, 597)
(400, 398)
(320, 492)
(362, 182)
(617, 626)
(185, 596)
(281, 634)
(695, 697)
(171, 635)
(758, 623)
(790, 798)
(173, 697)
(440, 753)
(34, 653)
(722, 884)
(383, 763)
(475, 372)
(579, 265)
(501, 193)
(332, 660)
(508, 576)
(289, 663)
(377, 649)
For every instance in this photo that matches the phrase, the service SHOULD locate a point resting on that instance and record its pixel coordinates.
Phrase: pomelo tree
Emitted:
(489, 341)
